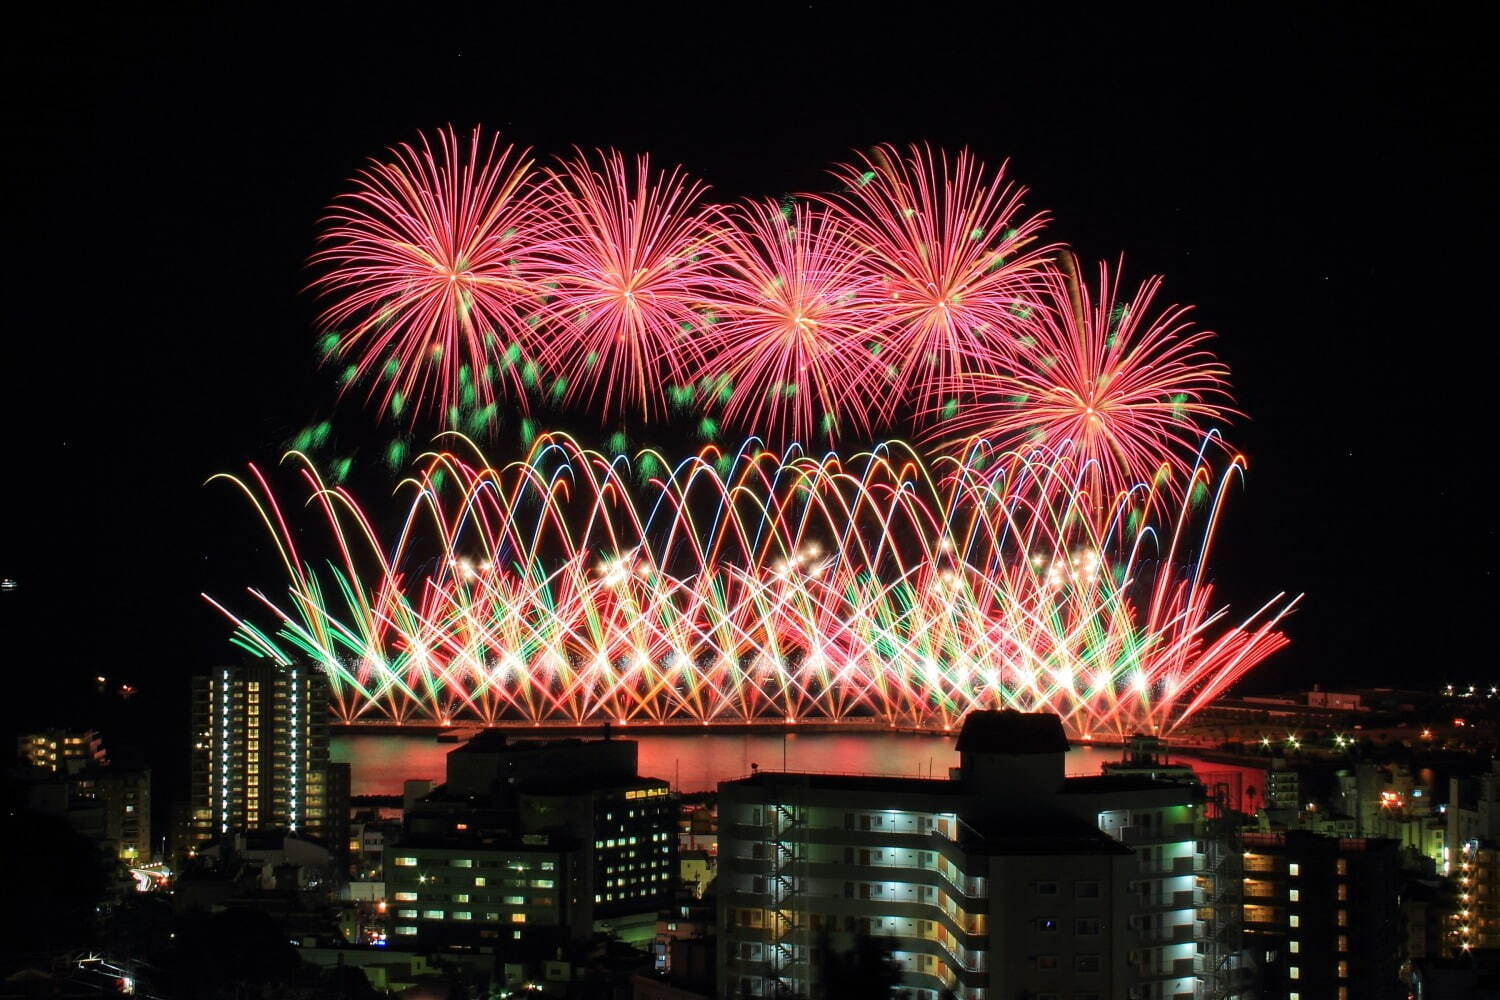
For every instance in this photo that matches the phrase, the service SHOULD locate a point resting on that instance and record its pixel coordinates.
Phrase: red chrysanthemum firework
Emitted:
(1130, 390)
(425, 262)
(792, 340)
(634, 255)
(947, 240)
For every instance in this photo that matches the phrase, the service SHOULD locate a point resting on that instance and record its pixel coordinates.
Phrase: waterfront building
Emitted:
(260, 752)
(1321, 915)
(585, 800)
(1007, 879)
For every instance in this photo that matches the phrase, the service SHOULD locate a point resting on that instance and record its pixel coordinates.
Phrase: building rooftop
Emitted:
(1091, 783)
(851, 782)
(1011, 732)
(574, 784)
(1043, 833)
(490, 741)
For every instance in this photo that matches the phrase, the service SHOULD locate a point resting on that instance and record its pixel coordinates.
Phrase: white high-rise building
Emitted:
(1007, 879)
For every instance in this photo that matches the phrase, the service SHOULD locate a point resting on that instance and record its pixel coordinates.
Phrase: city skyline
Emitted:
(727, 502)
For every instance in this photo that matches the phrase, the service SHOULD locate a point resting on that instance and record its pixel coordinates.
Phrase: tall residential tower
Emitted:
(260, 751)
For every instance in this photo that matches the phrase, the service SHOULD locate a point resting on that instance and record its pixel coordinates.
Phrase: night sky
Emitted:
(1320, 188)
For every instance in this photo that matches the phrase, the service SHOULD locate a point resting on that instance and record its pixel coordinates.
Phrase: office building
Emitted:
(1321, 915)
(1007, 879)
(614, 833)
(457, 892)
(260, 751)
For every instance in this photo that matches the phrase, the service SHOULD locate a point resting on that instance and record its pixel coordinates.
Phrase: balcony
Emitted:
(1185, 865)
(1167, 833)
(1183, 899)
(1174, 934)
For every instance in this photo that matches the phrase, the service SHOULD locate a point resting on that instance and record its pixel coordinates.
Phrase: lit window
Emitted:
(1343, 942)
(1343, 891)
(1342, 867)
(1295, 947)
(479, 881)
(460, 897)
(407, 914)
(406, 930)
(1294, 869)
(461, 863)
(1343, 918)
(1294, 921)
(405, 897)
(518, 918)
(1294, 973)
(406, 862)
(462, 915)
(433, 914)
(1343, 970)
(1294, 895)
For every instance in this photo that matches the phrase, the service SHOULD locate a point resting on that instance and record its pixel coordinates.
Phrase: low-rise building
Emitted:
(470, 892)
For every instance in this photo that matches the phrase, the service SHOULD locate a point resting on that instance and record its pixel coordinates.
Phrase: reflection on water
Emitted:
(696, 762)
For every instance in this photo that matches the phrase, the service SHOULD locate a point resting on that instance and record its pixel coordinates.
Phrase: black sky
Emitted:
(1319, 185)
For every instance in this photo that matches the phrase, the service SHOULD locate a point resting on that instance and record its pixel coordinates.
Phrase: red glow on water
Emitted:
(696, 762)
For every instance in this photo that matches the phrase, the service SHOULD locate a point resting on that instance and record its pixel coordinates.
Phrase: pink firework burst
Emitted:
(1131, 390)
(635, 253)
(948, 242)
(425, 262)
(793, 339)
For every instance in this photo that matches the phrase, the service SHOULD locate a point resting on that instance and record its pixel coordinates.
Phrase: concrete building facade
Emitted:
(1321, 915)
(1008, 879)
(260, 752)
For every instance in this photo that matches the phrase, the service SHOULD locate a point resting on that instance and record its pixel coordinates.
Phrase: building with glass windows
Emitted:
(1006, 879)
(614, 834)
(260, 752)
(443, 892)
(59, 749)
(1322, 915)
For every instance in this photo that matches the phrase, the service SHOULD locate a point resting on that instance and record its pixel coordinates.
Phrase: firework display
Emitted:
(745, 586)
(1129, 389)
(795, 315)
(1045, 550)
(458, 276)
(631, 258)
(948, 246)
(426, 266)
